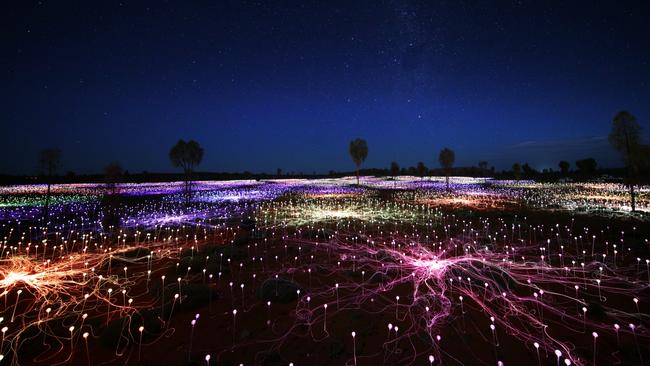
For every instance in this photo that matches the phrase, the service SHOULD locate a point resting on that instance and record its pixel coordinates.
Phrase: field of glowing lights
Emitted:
(324, 272)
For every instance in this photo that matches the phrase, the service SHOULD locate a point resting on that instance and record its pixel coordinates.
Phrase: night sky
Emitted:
(266, 85)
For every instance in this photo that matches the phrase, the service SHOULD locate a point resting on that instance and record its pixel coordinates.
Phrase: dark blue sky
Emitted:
(263, 85)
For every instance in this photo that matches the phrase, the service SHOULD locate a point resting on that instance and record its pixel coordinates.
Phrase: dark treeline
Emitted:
(613, 174)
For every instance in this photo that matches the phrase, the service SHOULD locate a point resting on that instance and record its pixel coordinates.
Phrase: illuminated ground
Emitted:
(281, 272)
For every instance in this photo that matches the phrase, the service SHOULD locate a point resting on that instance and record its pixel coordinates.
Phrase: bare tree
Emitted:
(625, 137)
(446, 159)
(186, 155)
(50, 162)
(358, 152)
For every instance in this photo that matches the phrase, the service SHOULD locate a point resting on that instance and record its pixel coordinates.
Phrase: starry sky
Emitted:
(287, 84)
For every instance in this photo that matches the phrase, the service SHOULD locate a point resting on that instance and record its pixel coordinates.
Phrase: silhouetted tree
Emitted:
(279, 173)
(394, 169)
(564, 167)
(186, 155)
(446, 159)
(625, 137)
(113, 173)
(516, 171)
(586, 166)
(110, 202)
(50, 162)
(528, 170)
(422, 169)
(358, 152)
(483, 166)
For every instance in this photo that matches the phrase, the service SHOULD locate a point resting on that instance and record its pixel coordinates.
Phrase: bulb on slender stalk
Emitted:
(180, 301)
(336, 288)
(242, 295)
(16, 305)
(141, 329)
(83, 304)
(595, 335)
(71, 330)
(85, 336)
(636, 342)
(108, 311)
(325, 318)
(171, 312)
(354, 346)
(162, 311)
(494, 335)
(4, 330)
(189, 352)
